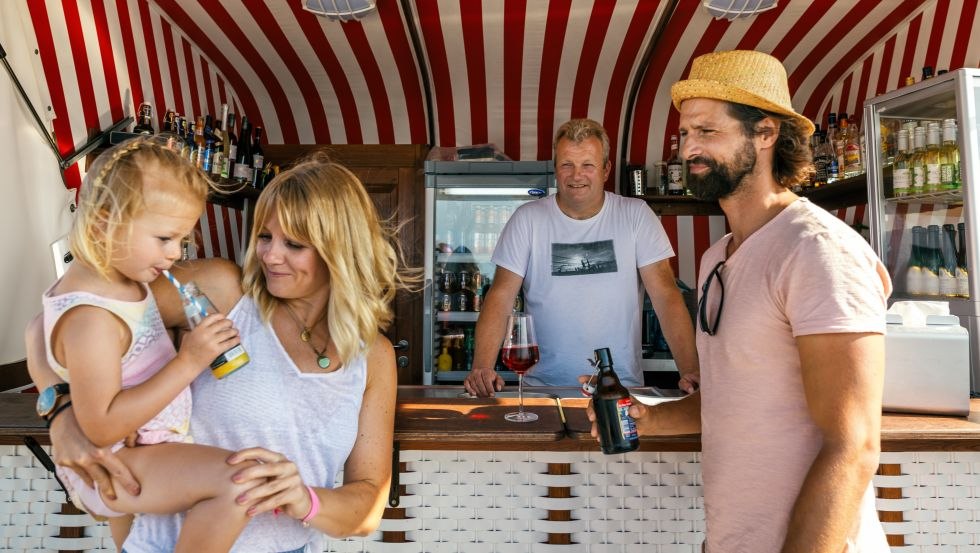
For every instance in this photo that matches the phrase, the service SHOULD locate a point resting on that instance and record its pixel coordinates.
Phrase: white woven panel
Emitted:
(494, 502)
(30, 501)
(941, 501)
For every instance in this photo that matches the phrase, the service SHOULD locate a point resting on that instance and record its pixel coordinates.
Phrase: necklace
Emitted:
(307, 336)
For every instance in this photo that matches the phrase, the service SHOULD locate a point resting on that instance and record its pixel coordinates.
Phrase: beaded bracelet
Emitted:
(314, 507)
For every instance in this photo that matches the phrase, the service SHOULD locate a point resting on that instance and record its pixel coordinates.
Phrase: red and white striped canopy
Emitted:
(501, 71)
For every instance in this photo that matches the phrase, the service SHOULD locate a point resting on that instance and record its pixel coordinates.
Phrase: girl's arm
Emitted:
(355, 508)
(90, 342)
(71, 448)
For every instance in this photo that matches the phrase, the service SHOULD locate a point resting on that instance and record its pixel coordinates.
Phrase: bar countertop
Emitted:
(443, 417)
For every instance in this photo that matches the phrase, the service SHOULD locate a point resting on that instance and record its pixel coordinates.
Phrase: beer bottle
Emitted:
(611, 402)
(675, 169)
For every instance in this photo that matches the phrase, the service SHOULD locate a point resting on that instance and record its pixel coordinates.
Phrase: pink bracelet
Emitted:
(314, 507)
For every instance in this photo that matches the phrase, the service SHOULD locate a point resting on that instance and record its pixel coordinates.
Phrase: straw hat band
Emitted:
(740, 76)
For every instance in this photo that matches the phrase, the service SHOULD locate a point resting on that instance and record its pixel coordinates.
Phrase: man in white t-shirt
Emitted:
(584, 258)
(791, 317)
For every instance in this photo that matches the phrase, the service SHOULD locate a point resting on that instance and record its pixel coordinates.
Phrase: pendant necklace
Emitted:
(307, 336)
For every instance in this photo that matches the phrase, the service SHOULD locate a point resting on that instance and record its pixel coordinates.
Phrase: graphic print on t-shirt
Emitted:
(583, 259)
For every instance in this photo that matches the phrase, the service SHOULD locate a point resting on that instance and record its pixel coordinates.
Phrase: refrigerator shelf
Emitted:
(463, 258)
(941, 197)
(457, 316)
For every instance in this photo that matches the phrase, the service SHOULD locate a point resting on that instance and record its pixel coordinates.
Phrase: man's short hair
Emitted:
(578, 130)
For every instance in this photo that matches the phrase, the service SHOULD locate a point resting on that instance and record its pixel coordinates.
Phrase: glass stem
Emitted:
(520, 394)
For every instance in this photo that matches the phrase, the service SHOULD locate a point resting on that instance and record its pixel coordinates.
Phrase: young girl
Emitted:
(105, 336)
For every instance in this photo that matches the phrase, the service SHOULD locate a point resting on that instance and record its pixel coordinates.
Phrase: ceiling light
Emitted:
(342, 10)
(730, 9)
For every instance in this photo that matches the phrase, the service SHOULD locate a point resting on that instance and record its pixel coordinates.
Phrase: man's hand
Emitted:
(483, 382)
(94, 464)
(690, 382)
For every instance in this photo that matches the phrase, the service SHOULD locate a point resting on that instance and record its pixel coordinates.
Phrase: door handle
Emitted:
(401, 345)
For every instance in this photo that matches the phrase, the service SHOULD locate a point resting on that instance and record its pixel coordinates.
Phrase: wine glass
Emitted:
(520, 353)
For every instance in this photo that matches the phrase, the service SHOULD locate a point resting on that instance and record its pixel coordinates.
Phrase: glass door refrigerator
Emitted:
(467, 205)
(923, 170)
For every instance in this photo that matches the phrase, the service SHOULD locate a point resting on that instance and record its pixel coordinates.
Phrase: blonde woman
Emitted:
(319, 393)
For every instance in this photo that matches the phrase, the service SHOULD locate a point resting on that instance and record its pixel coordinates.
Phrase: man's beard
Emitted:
(721, 180)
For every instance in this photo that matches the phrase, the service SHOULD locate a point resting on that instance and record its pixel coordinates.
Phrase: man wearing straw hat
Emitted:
(791, 317)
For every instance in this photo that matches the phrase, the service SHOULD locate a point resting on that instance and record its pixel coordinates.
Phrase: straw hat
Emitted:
(740, 76)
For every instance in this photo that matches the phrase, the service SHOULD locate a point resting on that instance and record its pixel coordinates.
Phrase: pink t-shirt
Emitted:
(804, 272)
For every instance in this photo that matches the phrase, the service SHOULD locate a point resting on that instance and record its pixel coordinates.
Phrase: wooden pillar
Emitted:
(563, 492)
(891, 493)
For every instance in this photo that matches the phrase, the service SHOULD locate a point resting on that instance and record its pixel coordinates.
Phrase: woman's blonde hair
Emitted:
(322, 203)
(112, 194)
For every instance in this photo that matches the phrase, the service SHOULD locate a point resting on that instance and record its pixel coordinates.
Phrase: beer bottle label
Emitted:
(626, 424)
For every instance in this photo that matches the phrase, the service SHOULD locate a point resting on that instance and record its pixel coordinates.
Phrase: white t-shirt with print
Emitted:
(581, 282)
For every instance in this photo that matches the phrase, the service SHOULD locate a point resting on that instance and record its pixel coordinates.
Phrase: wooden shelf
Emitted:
(843, 193)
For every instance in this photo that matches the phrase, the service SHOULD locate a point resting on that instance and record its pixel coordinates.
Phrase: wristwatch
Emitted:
(50, 398)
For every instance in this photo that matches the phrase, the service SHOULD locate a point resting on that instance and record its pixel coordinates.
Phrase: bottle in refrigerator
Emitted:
(933, 262)
(913, 275)
(445, 361)
(962, 283)
(901, 168)
(918, 161)
(611, 402)
(478, 243)
(948, 270)
(932, 165)
(949, 158)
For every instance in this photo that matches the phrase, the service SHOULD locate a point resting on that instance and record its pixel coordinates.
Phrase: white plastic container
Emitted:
(927, 368)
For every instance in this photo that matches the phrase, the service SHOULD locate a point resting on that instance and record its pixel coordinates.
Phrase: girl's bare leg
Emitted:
(187, 477)
(119, 527)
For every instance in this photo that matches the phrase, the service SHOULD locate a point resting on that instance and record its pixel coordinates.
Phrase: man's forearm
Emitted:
(829, 502)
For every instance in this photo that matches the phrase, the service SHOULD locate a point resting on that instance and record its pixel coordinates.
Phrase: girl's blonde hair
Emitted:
(112, 195)
(322, 203)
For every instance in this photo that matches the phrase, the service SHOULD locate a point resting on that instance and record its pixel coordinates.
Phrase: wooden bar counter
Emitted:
(466, 479)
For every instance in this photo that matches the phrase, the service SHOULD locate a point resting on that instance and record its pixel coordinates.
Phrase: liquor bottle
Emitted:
(962, 282)
(918, 161)
(840, 142)
(913, 276)
(814, 146)
(933, 261)
(822, 160)
(243, 159)
(144, 119)
(675, 169)
(932, 160)
(947, 273)
(611, 402)
(230, 148)
(444, 362)
(949, 158)
(218, 157)
(853, 165)
(199, 132)
(258, 159)
(196, 307)
(927, 72)
(831, 129)
(901, 168)
(457, 352)
(191, 144)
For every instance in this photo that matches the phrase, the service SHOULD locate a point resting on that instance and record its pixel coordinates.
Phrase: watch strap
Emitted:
(57, 412)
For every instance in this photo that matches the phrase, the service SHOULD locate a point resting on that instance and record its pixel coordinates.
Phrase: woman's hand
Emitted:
(277, 484)
(94, 464)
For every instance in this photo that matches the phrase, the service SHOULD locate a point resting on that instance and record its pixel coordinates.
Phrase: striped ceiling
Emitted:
(501, 71)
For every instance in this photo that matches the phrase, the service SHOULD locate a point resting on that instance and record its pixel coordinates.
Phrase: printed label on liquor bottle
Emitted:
(675, 177)
(626, 424)
(901, 182)
(962, 284)
(243, 171)
(947, 283)
(258, 161)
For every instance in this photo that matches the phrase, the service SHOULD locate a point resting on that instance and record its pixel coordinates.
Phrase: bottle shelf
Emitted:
(459, 376)
(457, 316)
(940, 197)
(463, 258)
(838, 194)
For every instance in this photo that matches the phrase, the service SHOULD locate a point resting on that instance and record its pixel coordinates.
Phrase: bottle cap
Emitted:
(603, 357)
